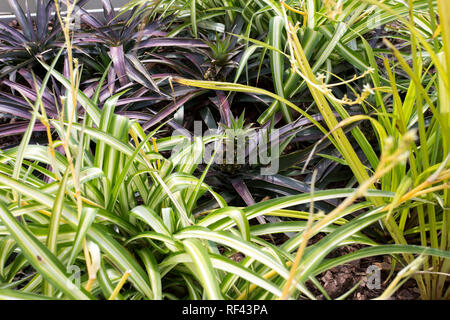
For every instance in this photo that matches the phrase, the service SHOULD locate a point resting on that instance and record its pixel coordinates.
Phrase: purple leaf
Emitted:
(139, 73)
(171, 42)
(242, 189)
(118, 59)
(111, 81)
(18, 128)
(20, 16)
(168, 110)
(108, 10)
(16, 34)
(289, 183)
(89, 19)
(146, 117)
(224, 108)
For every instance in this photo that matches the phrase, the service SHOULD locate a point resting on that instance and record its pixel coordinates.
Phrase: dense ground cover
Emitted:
(191, 149)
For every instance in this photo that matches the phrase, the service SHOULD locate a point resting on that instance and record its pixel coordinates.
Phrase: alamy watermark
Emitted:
(75, 276)
(74, 20)
(252, 147)
(373, 277)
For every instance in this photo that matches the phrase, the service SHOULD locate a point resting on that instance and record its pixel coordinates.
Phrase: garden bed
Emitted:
(250, 150)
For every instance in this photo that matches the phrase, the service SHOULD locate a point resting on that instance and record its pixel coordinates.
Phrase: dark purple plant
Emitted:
(18, 98)
(35, 37)
(120, 37)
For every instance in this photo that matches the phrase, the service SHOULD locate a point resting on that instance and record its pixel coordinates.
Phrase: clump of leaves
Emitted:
(39, 37)
(220, 56)
(114, 38)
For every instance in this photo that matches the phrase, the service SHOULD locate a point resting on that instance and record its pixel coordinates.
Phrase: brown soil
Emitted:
(339, 280)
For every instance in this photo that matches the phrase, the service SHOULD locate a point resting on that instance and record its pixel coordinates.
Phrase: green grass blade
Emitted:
(204, 268)
(41, 258)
